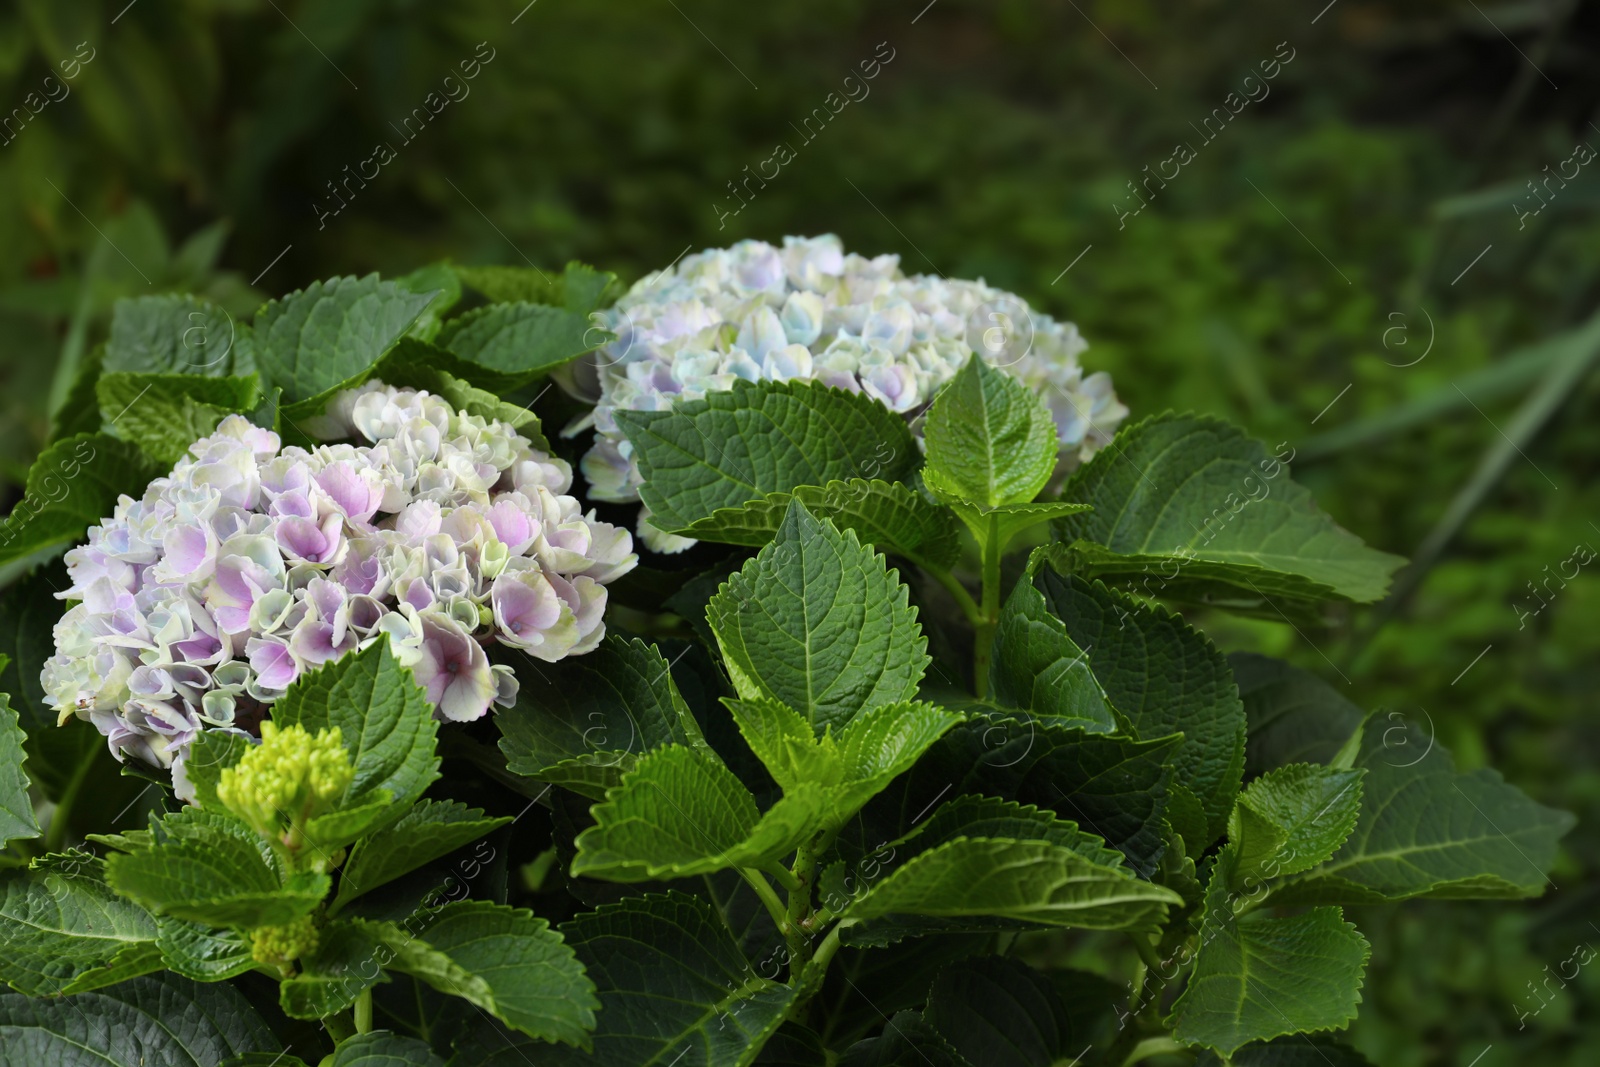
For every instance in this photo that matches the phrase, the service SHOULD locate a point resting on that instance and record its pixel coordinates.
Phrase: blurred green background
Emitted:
(1310, 272)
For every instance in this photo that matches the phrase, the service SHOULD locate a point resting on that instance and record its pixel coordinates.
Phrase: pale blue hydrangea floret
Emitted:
(810, 311)
(200, 603)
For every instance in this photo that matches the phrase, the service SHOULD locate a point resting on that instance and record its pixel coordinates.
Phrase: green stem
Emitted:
(983, 633)
(763, 888)
(339, 1026)
(364, 1011)
(1152, 1046)
(969, 607)
(799, 910)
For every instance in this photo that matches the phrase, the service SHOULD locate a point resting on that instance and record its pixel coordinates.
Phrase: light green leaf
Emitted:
(996, 526)
(1031, 881)
(518, 342)
(166, 413)
(202, 952)
(1164, 677)
(889, 516)
(1258, 977)
(674, 987)
(384, 719)
(820, 623)
(783, 740)
(1194, 506)
(17, 819)
(505, 961)
(61, 924)
(761, 437)
(328, 335)
(1426, 829)
(172, 334)
(578, 288)
(332, 831)
(442, 285)
(1037, 666)
(1294, 716)
(1292, 819)
(380, 1048)
(990, 440)
(680, 812)
(585, 720)
(72, 486)
(214, 873)
(163, 1019)
(210, 753)
(432, 829)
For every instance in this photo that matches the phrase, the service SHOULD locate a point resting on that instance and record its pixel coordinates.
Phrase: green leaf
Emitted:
(72, 486)
(1164, 677)
(345, 962)
(202, 952)
(890, 516)
(1426, 829)
(1197, 505)
(1037, 666)
(680, 812)
(820, 623)
(759, 438)
(1292, 819)
(578, 288)
(213, 874)
(171, 334)
(384, 719)
(210, 753)
(62, 924)
(907, 1041)
(166, 413)
(1258, 977)
(442, 285)
(1298, 1050)
(332, 831)
(165, 1020)
(999, 1012)
(583, 721)
(990, 440)
(993, 528)
(673, 986)
(17, 819)
(380, 1048)
(328, 335)
(1032, 881)
(505, 961)
(1115, 787)
(431, 829)
(1294, 716)
(518, 342)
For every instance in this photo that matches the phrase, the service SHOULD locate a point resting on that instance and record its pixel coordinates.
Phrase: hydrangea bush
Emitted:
(914, 757)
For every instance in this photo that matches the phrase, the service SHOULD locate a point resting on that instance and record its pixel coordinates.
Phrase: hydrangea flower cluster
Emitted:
(251, 563)
(809, 311)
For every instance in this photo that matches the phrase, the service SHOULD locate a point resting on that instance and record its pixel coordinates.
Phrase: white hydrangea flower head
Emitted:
(251, 563)
(809, 311)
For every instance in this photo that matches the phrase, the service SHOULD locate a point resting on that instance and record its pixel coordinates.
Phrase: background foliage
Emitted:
(1307, 255)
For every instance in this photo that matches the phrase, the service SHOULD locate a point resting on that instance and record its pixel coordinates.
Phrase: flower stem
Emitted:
(983, 632)
(763, 888)
(1152, 1046)
(969, 607)
(364, 1011)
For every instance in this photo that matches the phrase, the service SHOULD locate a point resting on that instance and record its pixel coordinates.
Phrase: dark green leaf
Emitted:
(16, 808)
(173, 334)
(1294, 716)
(60, 924)
(1000, 1013)
(518, 342)
(1037, 666)
(431, 829)
(72, 486)
(760, 438)
(380, 1048)
(166, 413)
(202, 952)
(1292, 819)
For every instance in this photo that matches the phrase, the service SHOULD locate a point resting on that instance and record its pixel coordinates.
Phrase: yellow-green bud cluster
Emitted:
(277, 946)
(290, 777)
